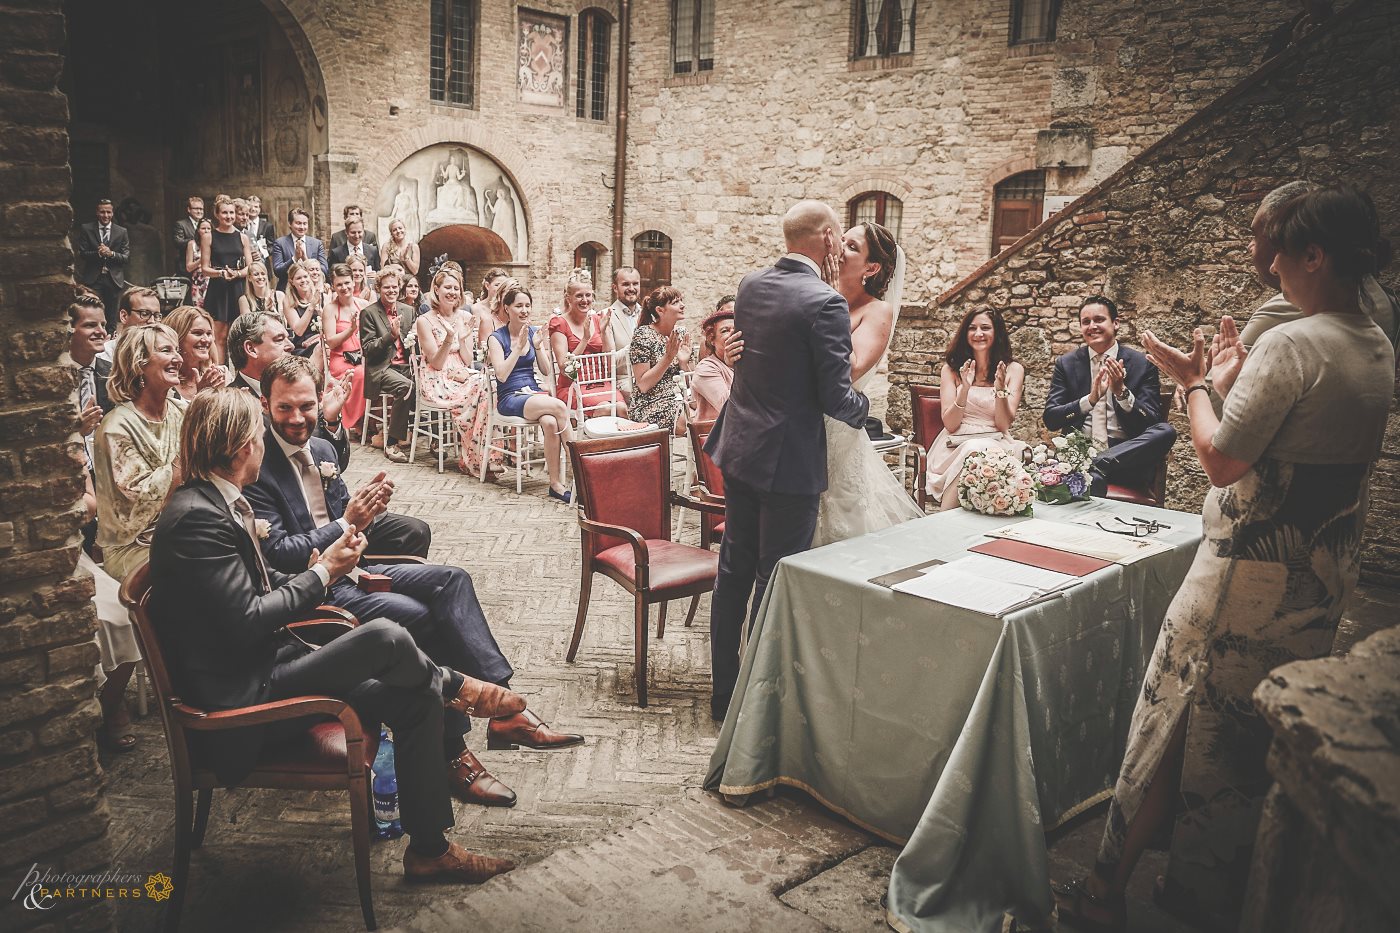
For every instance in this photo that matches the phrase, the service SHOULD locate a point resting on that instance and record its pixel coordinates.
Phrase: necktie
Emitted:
(87, 392)
(311, 485)
(1098, 419)
(245, 512)
(301, 248)
(104, 234)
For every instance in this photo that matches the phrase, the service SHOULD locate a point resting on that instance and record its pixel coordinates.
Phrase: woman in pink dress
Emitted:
(714, 377)
(447, 342)
(578, 331)
(340, 328)
(981, 390)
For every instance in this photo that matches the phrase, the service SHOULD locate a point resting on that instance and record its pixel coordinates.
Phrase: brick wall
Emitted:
(1166, 237)
(52, 807)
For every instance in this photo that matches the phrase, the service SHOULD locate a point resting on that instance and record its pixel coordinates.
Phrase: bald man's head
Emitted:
(805, 226)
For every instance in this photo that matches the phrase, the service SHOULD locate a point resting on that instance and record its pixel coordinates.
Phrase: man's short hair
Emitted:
(133, 352)
(351, 223)
(1101, 300)
(83, 303)
(102, 201)
(390, 272)
(621, 269)
(341, 270)
(246, 328)
(290, 368)
(345, 214)
(292, 215)
(194, 199)
(254, 199)
(1284, 192)
(723, 301)
(217, 424)
(124, 303)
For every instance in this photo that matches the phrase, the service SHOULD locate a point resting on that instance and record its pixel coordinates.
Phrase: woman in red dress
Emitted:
(578, 331)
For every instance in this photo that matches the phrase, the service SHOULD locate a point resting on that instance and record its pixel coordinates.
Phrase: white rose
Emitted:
(263, 528)
(1092, 452)
(1059, 443)
(328, 469)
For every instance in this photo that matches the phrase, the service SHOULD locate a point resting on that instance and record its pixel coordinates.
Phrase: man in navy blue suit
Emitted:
(300, 494)
(295, 246)
(1112, 393)
(770, 440)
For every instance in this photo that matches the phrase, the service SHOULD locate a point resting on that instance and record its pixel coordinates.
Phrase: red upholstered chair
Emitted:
(1155, 492)
(926, 413)
(710, 487)
(623, 485)
(332, 755)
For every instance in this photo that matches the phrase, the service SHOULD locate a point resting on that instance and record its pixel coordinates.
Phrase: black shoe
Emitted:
(565, 497)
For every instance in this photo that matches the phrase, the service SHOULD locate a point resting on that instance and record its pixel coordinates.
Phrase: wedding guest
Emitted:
(225, 259)
(980, 392)
(194, 335)
(340, 330)
(512, 352)
(187, 227)
(714, 376)
(1377, 304)
(118, 652)
(240, 216)
(660, 351)
(578, 331)
(356, 247)
(137, 305)
(448, 378)
(194, 261)
(260, 233)
(302, 302)
(412, 295)
(349, 214)
(1289, 461)
(1111, 392)
(134, 461)
(360, 285)
(103, 250)
(626, 309)
(88, 337)
(297, 246)
(259, 295)
(383, 326)
(400, 249)
(487, 313)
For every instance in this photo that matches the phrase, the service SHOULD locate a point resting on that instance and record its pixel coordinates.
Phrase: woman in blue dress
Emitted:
(512, 351)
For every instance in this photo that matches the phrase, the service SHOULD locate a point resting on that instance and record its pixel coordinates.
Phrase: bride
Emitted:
(862, 494)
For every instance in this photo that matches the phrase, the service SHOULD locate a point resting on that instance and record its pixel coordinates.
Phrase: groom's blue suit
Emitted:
(770, 440)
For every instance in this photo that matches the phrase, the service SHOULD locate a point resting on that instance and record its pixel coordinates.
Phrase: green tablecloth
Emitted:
(964, 735)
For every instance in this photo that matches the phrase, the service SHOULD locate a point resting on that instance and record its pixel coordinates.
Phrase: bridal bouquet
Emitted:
(995, 483)
(1061, 468)
(571, 368)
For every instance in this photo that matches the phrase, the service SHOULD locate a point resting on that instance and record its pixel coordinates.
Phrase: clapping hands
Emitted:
(999, 383)
(369, 501)
(967, 372)
(342, 555)
(211, 378)
(337, 391)
(1227, 355)
(1185, 369)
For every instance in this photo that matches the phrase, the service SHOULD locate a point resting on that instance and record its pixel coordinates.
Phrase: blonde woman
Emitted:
(194, 335)
(259, 295)
(226, 258)
(486, 313)
(302, 306)
(359, 276)
(400, 249)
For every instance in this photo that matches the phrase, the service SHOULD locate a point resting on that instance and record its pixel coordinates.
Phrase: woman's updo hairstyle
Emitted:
(881, 248)
(1341, 221)
(659, 298)
(510, 292)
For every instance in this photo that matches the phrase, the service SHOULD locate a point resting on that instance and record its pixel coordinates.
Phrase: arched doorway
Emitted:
(475, 249)
(218, 98)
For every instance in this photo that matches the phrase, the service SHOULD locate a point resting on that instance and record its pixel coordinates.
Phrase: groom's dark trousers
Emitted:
(770, 441)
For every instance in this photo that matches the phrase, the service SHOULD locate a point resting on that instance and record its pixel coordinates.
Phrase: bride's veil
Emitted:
(894, 294)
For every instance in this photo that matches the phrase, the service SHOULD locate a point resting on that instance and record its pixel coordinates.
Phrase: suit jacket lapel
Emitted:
(245, 543)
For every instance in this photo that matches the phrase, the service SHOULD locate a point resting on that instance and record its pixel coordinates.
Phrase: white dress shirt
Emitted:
(292, 452)
(1124, 401)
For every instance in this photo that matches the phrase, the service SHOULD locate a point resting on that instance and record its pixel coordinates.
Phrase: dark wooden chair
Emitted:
(1155, 490)
(623, 485)
(709, 483)
(926, 417)
(332, 755)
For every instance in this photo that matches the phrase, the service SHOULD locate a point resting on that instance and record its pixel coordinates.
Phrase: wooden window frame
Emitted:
(594, 65)
(1018, 9)
(696, 15)
(448, 83)
(889, 49)
(882, 201)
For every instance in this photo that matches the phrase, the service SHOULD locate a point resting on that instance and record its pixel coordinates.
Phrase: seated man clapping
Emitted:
(306, 504)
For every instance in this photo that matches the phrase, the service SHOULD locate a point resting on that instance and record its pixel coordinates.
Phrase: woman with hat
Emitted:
(713, 375)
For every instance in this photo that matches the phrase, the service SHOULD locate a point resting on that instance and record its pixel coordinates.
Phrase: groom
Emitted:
(769, 440)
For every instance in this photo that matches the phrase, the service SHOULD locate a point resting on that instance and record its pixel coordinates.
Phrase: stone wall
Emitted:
(52, 808)
(1166, 236)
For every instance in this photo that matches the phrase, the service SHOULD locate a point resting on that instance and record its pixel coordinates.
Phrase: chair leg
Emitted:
(413, 435)
(359, 832)
(585, 591)
(486, 447)
(639, 664)
(519, 460)
(141, 708)
(180, 870)
(694, 604)
(661, 622)
(201, 816)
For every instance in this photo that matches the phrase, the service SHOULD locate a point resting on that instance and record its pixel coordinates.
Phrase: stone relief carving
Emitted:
(451, 183)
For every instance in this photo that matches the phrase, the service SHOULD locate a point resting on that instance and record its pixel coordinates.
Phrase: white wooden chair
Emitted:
(595, 370)
(528, 448)
(381, 417)
(436, 424)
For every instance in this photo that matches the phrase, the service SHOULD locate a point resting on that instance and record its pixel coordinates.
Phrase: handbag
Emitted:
(354, 357)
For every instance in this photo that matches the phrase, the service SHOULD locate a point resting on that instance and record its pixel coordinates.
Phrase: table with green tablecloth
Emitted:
(962, 735)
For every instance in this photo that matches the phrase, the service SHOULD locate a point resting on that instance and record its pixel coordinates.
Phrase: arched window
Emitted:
(882, 27)
(1033, 20)
(876, 206)
(1017, 205)
(451, 61)
(594, 31)
(588, 256)
(652, 257)
(692, 36)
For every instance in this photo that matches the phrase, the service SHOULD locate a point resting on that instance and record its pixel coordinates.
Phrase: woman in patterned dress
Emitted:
(660, 350)
(1289, 459)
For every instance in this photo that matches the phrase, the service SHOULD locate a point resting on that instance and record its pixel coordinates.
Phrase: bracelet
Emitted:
(1199, 387)
(1001, 393)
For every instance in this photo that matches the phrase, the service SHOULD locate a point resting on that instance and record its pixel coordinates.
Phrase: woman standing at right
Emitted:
(1289, 460)
(340, 335)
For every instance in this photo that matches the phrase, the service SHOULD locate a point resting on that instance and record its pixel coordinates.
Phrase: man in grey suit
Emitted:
(769, 440)
(185, 230)
(296, 246)
(384, 326)
(103, 250)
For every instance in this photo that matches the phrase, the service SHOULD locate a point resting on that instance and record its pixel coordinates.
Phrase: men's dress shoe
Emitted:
(472, 783)
(485, 700)
(456, 864)
(526, 729)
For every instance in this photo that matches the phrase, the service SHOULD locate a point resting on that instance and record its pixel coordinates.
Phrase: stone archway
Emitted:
(474, 248)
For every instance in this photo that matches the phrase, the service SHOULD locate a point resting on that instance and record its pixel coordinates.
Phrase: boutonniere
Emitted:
(328, 471)
(263, 528)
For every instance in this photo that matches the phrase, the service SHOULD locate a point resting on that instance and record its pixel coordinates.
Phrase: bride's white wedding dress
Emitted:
(862, 495)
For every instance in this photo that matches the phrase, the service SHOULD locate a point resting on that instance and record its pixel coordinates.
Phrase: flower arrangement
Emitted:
(571, 368)
(328, 471)
(1061, 468)
(409, 341)
(995, 483)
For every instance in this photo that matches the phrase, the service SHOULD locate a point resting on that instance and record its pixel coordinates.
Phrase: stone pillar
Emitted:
(53, 809)
(1328, 853)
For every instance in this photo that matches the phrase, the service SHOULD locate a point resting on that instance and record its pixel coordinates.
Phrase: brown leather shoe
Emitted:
(454, 865)
(485, 700)
(472, 783)
(526, 729)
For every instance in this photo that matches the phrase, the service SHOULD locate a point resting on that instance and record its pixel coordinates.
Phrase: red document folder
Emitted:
(1043, 557)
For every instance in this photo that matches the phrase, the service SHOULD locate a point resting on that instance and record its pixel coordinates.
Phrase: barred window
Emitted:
(1033, 20)
(692, 36)
(882, 27)
(450, 64)
(594, 30)
(876, 207)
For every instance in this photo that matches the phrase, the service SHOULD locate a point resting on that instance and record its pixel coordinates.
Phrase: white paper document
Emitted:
(986, 584)
(1082, 539)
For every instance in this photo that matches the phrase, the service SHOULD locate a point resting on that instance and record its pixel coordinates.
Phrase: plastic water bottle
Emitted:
(386, 790)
